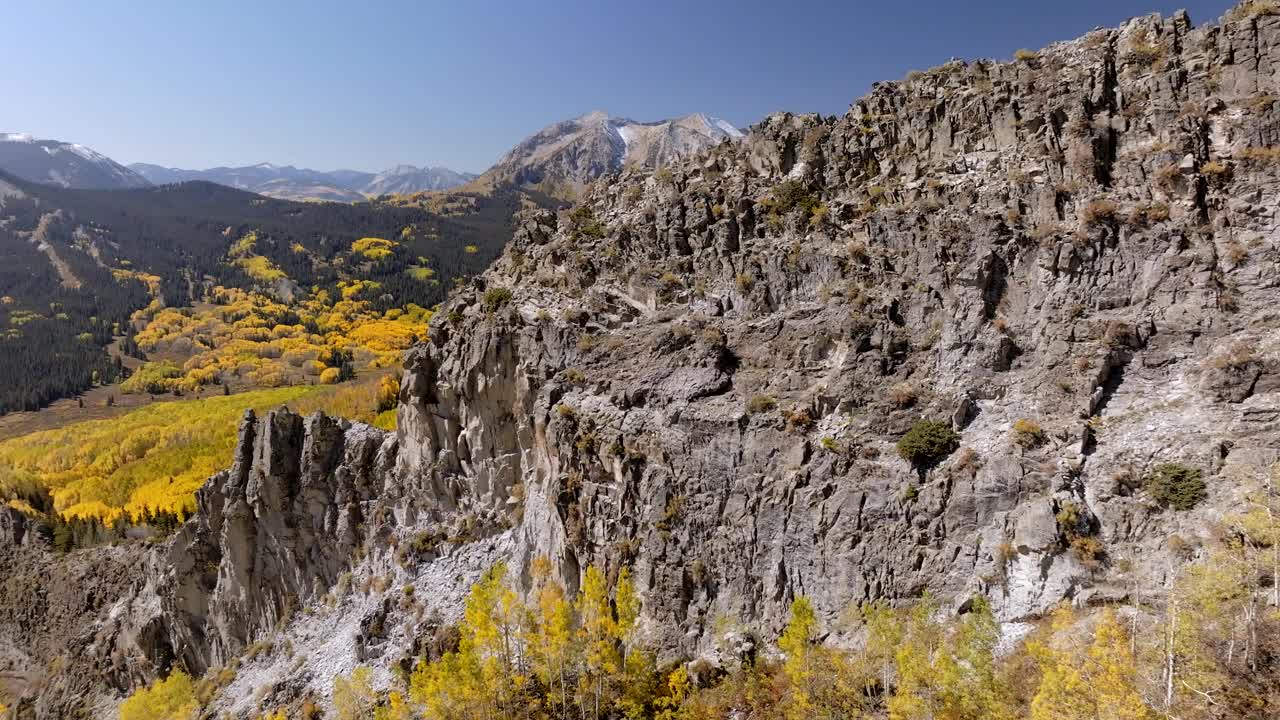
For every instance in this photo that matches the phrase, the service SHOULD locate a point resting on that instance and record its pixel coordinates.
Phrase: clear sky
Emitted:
(367, 85)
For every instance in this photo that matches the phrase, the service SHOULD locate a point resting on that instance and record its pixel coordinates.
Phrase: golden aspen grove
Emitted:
(153, 459)
(246, 337)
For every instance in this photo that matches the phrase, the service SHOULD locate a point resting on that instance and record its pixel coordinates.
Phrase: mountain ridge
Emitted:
(64, 164)
(562, 158)
(287, 182)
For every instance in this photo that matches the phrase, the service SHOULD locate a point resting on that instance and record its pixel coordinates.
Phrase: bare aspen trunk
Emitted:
(1169, 657)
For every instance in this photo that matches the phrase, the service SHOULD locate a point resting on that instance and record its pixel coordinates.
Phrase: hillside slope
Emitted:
(80, 262)
(716, 375)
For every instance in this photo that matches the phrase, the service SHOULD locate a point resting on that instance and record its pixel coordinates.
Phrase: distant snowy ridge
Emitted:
(561, 158)
(53, 162)
(293, 183)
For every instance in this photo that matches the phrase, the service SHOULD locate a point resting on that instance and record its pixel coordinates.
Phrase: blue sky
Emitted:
(367, 85)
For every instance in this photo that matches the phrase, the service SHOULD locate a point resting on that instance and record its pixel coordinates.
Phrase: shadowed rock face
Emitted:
(272, 534)
(711, 389)
(269, 537)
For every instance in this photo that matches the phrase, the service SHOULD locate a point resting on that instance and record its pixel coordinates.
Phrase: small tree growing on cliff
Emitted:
(928, 442)
(1176, 486)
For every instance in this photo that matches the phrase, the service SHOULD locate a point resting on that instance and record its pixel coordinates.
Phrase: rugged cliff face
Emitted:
(710, 388)
(703, 372)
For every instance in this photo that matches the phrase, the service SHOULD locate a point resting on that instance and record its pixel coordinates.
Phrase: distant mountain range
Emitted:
(62, 164)
(557, 160)
(561, 158)
(291, 183)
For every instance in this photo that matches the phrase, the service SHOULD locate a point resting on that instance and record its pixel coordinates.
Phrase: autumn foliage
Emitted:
(156, 457)
(247, 338)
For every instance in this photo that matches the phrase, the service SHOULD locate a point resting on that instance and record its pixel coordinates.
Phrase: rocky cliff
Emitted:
(705, 372)
(1069, 259)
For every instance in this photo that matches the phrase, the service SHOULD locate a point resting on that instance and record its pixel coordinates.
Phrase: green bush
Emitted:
(496, 297)
(791, 194)
(585, 223)
(1176, 486)
(927, 442)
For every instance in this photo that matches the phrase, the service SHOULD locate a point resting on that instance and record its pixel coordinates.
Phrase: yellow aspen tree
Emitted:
(552, 642)
(912, 697)
(1112, 672)
(170, 699)
(596, 633)
(395, 709)
(884, 635)
(969, 686)
(1063, 693)
(949, 675)
(637, 677)
(388, 393)
(637, 684)
(797, 644)
(980, 633)
(511, 619)
(628, 604)
(1259, 531)
(474, 681)
(353, 696)
(678, 689)
(482, 641)
(1204, 607)
(450, 688)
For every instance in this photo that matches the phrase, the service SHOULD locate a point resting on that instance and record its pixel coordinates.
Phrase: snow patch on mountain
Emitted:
(715, 123)
(626, 134)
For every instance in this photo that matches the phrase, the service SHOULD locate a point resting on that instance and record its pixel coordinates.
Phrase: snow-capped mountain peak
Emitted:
(53, 162)
(715, 124)
(563, 157)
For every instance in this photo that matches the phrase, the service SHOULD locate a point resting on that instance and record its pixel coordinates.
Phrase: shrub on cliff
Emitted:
(496, 297)
(927, 442)
(585, 224)
(1027, 434)
(791, 194)
(1176, 486)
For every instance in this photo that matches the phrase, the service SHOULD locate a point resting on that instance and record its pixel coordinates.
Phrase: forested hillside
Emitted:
(75, 266)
